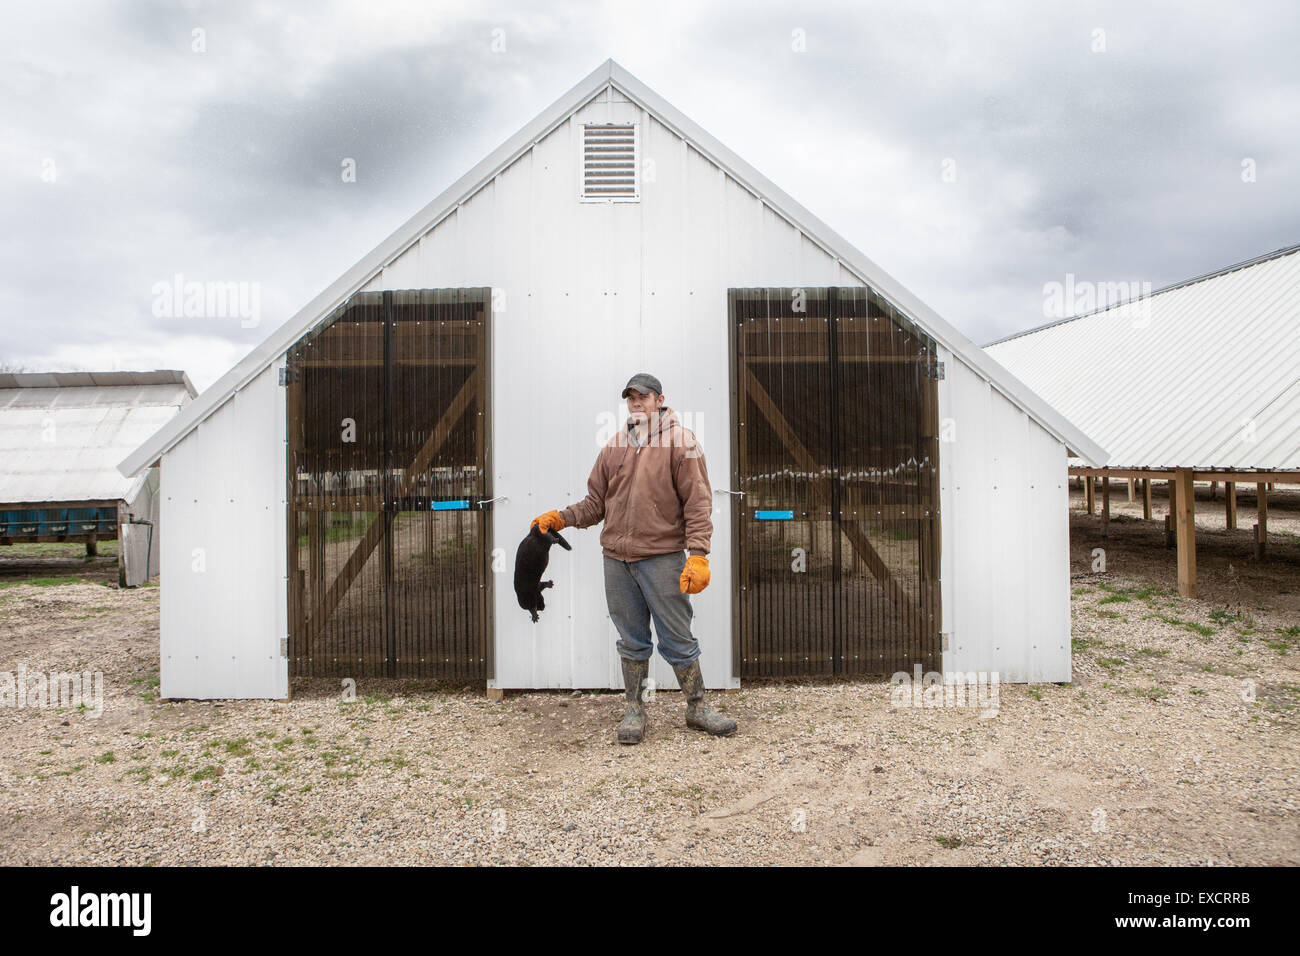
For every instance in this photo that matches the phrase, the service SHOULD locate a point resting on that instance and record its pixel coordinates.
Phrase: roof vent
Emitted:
(609, 162)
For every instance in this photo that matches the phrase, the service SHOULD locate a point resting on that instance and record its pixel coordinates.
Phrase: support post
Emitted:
(1186, 526)
(1169, 518)
(1230, 503)
(1105, 505)
(1261, 529)
(1132, 489)
(122, 518)
(1146, 499)
(1089, 493)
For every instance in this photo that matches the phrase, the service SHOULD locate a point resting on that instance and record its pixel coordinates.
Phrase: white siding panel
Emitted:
(1005, 561)
(223, 492)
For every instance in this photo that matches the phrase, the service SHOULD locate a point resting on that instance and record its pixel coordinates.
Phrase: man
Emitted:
(651, 488)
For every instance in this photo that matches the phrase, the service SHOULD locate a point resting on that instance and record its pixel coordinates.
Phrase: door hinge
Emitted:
(288, 374)
(284, 647)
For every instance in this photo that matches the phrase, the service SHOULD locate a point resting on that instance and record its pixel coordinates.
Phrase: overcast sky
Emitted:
(1115, 141)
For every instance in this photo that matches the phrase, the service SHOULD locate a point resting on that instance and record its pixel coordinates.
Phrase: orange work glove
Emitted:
(695, 576)
(547, 522)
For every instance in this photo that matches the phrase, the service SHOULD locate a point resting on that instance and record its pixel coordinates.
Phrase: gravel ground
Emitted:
(1176, 743)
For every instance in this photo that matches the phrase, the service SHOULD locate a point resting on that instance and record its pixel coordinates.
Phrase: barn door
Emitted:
(389, 488)
(835, 453)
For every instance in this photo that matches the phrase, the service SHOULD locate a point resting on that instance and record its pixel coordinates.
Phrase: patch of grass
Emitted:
(106, 757)
(1111, 663)
(1033, 692)
(237, 747)
(207, 773)
(1153, 652)
(948, 842)
(1152, 693)
(1119, 595)
(1204, 630)
(45, 582)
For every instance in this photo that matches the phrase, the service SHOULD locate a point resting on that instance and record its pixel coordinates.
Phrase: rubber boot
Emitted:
(632, 729)
(700, 715)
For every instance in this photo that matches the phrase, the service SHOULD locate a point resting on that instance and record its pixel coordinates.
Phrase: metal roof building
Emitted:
(362, 478)
(61, 437)
(1201, 378)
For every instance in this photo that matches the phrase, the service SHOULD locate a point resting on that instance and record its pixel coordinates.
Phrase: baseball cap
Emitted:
(644, 383)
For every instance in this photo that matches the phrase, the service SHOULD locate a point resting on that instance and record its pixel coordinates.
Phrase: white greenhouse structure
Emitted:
(347, 500)
(62, 435)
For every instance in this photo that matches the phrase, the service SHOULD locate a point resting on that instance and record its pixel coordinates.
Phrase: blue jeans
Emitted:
(639, 590)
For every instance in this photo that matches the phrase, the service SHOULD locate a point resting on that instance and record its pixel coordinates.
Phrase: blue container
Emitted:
(83, 520)
(24, 523)
(54, 521)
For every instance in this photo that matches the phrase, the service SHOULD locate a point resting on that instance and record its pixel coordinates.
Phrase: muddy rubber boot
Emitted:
(700, 715)
(632, 729)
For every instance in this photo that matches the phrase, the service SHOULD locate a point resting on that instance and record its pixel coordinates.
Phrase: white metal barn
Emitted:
(347, 500)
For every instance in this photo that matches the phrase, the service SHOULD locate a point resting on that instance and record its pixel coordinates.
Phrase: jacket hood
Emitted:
(662, 427)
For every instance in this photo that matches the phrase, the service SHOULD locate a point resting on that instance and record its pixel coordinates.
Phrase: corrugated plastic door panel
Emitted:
(388, 449)
(885, 406)
(784, 527)
(836, 553)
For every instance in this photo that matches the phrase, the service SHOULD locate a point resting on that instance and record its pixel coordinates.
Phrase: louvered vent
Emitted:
(609, 162)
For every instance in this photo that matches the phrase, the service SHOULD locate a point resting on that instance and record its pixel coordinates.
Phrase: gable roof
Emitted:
(1199, 374)
(608, 74)
(97, 417)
